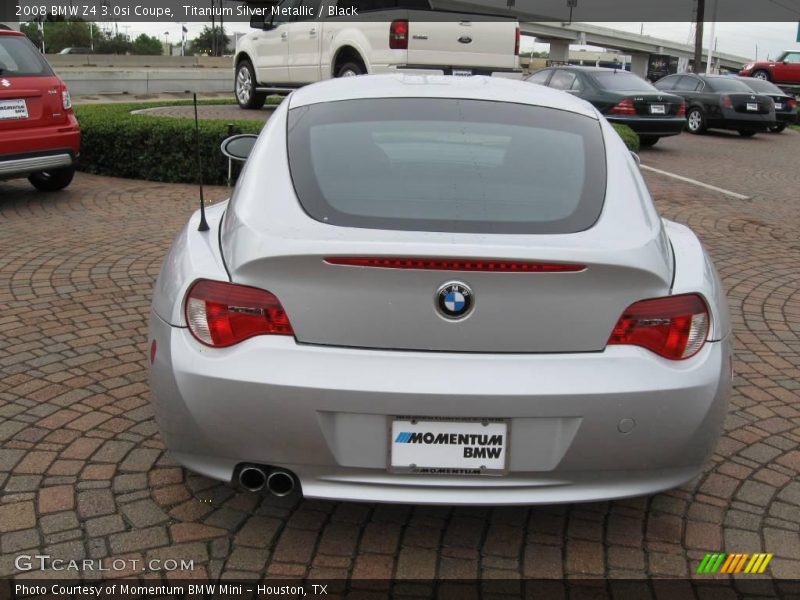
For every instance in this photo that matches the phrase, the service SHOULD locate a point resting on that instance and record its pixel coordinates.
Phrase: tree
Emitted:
(108, 43)
(59, 33)
(204, 43)
(147, 44)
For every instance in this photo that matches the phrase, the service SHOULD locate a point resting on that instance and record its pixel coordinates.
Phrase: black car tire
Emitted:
(351, 69)
(777, 128)
(762, 74)
(696, 121)
(747, 134)
(245, 87)
(52, 181)
(648, 140)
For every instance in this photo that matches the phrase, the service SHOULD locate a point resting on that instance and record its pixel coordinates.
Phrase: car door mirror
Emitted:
(239, 147)
(257, 22)
(636, 159)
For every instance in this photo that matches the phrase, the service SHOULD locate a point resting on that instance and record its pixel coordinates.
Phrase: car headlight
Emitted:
(748, 66)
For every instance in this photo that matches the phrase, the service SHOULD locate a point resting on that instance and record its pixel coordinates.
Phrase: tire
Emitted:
(777, 128)
(747, 134)
(245, 87)
(351, 69)
(696, 121)
(52, 181)
(648, 140)
(762, 74)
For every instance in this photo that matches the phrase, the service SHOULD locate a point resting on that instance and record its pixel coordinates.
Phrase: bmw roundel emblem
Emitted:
(454, 300)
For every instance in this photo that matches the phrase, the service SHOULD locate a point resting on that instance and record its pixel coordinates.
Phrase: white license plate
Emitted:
(449, 447)
(658, 109)
(752, 106)
(462, 72)
(778, 106)
(13, 109)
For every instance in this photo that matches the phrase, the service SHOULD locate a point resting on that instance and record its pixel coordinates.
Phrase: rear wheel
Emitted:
(695, 121)
(245, 87)
(777, 128)
(648, 140)
(52, 181)
(761, 74)
(747, 134)
(351, 69)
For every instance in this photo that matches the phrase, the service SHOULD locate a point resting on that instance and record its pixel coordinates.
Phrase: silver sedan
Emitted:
(440, 290)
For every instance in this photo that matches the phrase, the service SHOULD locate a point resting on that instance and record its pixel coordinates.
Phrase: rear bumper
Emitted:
(790, 118)
(734, 120)
(27, 150)
(661, 127)
(324, 414)
(448, 70)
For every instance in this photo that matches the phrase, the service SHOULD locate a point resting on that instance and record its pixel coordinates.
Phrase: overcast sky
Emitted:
(735, 38)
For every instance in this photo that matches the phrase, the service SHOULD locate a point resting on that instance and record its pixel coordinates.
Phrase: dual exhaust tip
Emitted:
(278, 482)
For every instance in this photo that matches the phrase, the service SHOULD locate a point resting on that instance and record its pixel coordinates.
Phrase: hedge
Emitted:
(628, 136)
(118, 143)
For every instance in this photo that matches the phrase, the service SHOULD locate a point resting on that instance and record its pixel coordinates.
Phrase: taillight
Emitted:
(66, 99)
(675, 327)
(223, 314)
(459, 264)
(625, 107)
(727, 102)
(792, 103)
(398, 35)
(682, 109)
(516, 42)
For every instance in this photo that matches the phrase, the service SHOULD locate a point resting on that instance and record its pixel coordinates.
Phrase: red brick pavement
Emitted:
(83, 472)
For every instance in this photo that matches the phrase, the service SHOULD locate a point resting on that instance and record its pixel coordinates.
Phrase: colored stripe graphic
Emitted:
(732, 558)
(720, 562)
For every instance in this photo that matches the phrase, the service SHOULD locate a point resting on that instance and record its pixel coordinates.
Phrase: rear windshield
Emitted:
(425, 164)
(20, 58)
(763, 87)
(622, 81)
(728, 84)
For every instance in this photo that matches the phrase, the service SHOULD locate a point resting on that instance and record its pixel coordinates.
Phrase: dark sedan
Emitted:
(622, 97)
(785, 105)
(718, 102)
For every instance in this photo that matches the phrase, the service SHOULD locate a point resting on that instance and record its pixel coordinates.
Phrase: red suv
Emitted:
(39, 134)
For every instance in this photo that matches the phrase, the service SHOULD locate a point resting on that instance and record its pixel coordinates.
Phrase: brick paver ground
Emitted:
(83, 472)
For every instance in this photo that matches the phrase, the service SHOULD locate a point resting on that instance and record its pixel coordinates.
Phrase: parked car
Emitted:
(785, 105)
(719, 102)
(784, 70)
(284, 52)
(77, 51)
(457, 291)
(39, 134)
(622, 97)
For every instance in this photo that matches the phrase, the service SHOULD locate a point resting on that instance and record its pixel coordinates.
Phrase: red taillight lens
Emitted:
(727, 102)
(398, 35)
(682, 110)
(625, 107)
(223, 314)
(675, 327)
(792, 103)
(439, 264)
(516, 42)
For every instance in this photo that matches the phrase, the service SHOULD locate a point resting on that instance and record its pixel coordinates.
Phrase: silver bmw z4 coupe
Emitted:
(440, 290)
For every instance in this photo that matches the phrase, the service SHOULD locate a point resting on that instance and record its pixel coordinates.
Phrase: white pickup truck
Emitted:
(303, 41)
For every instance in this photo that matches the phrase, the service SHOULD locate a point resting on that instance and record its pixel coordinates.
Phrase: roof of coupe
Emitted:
(438, 86)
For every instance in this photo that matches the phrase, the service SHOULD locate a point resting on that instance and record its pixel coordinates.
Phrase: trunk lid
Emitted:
(30, 102)
(461, 42)
(656, 105)
(744, 103)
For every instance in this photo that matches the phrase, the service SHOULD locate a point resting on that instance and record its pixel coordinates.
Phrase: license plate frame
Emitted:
(461, 72)
(14, 109)
(658, 109)
(752, 107)
(779, 106)
(406, 456)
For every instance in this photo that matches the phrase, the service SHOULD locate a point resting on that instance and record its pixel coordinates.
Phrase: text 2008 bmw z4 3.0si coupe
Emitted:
(440, 290)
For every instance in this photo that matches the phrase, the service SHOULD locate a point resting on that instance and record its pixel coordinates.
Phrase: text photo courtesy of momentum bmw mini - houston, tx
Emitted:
(399, 298)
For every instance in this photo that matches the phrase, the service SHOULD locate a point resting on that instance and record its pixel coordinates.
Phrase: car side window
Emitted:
(792, 57)
(666, 83)
(687, 84)
(539, 77)
(307, 10)
(562, 80)
(282, 15)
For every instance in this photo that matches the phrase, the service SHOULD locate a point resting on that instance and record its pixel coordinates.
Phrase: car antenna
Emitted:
(203, 223)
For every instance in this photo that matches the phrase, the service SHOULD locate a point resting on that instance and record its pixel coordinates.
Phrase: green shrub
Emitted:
(118, 143)
(628, 136)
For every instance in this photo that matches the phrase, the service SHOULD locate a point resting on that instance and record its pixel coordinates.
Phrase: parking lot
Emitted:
(83, 472)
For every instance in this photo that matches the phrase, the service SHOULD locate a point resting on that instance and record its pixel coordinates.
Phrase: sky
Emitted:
(749, 40)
